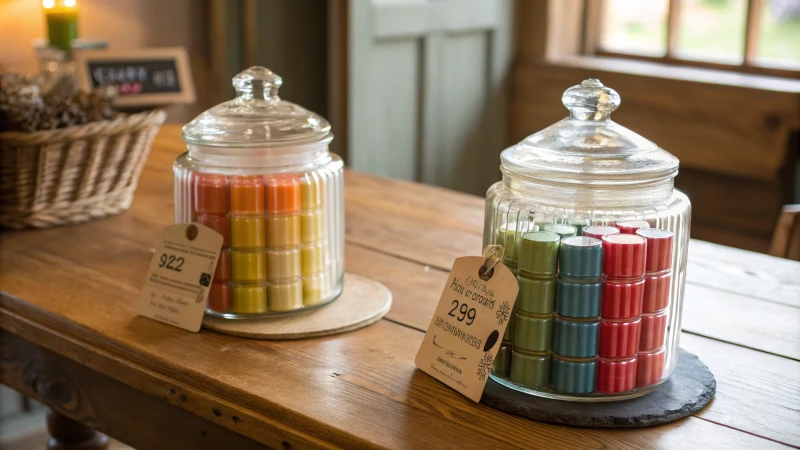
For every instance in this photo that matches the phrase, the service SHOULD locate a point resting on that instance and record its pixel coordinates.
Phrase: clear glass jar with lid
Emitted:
(598, 237)
(258, 170)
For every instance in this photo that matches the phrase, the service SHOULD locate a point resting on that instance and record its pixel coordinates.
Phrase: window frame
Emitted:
(592, 29)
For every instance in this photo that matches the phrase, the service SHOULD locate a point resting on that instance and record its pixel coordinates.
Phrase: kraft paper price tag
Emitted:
(466, 330)
(180, 275)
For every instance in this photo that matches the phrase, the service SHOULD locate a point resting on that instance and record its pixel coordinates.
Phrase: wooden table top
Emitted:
(73, 291)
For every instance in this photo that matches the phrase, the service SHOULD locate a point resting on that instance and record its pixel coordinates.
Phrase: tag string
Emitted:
(492, 255)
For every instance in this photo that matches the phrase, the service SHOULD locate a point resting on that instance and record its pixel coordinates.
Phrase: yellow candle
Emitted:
(283, 231)
(248, 232)
(285, 296)
(315, 289)
(311, 226)
(283, 264)
(248, 267)
(313, 257)
(310, 192)
(249, 299)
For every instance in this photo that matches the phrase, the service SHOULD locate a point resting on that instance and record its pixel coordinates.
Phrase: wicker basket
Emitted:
(74, 174)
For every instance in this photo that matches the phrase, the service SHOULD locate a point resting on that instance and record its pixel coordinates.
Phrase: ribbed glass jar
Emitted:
(597, 317)
(258, 170)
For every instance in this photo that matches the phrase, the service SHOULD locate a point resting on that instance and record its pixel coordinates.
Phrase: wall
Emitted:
(125, 24)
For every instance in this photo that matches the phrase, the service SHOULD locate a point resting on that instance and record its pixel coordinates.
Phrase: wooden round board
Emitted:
(363, 302)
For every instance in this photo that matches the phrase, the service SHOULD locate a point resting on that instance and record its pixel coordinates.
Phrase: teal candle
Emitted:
(561, 229)
(577, 298)
(502, 362)
(530, 369)
(533, 333)
(538, 253)
(575, 339)
(536, 295)
(574, 376)
(581, 256)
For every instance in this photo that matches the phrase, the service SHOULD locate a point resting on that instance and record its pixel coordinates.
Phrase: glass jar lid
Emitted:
(257, 117)
(588, 147)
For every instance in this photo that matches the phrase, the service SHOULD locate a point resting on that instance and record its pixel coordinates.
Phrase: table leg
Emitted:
(66, 434)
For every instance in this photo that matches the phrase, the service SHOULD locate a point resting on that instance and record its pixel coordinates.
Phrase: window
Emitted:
(756, 36)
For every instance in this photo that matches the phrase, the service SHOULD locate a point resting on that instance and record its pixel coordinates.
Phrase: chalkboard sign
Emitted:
(147, 77)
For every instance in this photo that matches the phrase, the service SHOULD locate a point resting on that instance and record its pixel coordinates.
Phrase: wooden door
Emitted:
(426, 89)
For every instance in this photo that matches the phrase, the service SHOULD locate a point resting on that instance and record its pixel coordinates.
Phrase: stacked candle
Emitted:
(274, 253)
(657, 278)
(620, 312)
(577, 311)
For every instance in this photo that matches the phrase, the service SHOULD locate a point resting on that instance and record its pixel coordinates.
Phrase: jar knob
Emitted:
(590, 100)
(257, 82)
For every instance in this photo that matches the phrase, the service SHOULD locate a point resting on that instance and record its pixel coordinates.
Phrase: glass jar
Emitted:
(258, 170)
(598, 239)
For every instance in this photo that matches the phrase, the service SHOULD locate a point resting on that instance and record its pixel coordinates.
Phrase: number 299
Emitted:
(464, 312)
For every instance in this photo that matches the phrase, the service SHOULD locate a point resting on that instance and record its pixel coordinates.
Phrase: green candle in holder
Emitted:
(62, 23)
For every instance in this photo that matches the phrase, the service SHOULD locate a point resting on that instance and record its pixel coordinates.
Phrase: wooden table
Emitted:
(71, 339)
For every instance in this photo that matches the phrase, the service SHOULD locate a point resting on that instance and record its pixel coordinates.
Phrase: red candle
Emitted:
(247, 195)
(650, 368)
(622, 298)
(618, 338)
(211, 194)
(220, 224)
(598, 232)
(654, 327)
(659, 249)
(656, 292)
(616, 375)
(632, 226)
(223, 270)
(624, 255)
(219, 297)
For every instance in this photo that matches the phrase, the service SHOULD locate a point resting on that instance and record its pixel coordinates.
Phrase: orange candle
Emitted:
(220, 224)
(283, 264)
(219, 297)
(283, 194)
(223, 270)
(285, 296)
(211, 194)
(283, 231)
(247, 195)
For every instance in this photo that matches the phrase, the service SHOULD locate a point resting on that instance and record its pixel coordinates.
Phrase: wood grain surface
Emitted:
(69, 295)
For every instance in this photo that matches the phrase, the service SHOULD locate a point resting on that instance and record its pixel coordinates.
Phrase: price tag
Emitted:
(180, 275)
(465, 332)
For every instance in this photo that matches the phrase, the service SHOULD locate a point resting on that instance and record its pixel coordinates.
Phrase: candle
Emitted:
(223, 270)
(622, 298)
(619, 339)
(283, 264)
(598, 232)
(573, 376)
(533, 332)
(313, 258)
(581, 257)
(247, 195)
(283, 194)
(560, 229)
(576, 339)
(62, 23)
(536, 295)
(220, 224)
(624, 255)
(249, 299)
(285, 296)
(659, 249)
(614, 376)
(654, 328)
(283, 231)
(538, 253)
(509, 333)
(211, 194)
(656, 292)
(248, 267)
(248, 232)
(311, 226)
(315, 289)
(502, 361)
(530, 369)
(578, 299)
(219, 297)
(650, 367)
(631, 226)
(310, 192)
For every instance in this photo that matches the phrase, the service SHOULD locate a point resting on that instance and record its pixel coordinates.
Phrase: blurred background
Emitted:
(432, 91)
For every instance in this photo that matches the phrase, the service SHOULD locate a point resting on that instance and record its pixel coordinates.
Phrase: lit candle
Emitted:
(62, 23)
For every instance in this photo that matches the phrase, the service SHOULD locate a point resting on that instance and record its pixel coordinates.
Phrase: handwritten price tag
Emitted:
(180, 276)
(464, 335)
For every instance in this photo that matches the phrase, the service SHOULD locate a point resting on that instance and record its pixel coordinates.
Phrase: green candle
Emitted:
(538, 253)
(62, 23)
(530, 369)
(561, 229)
